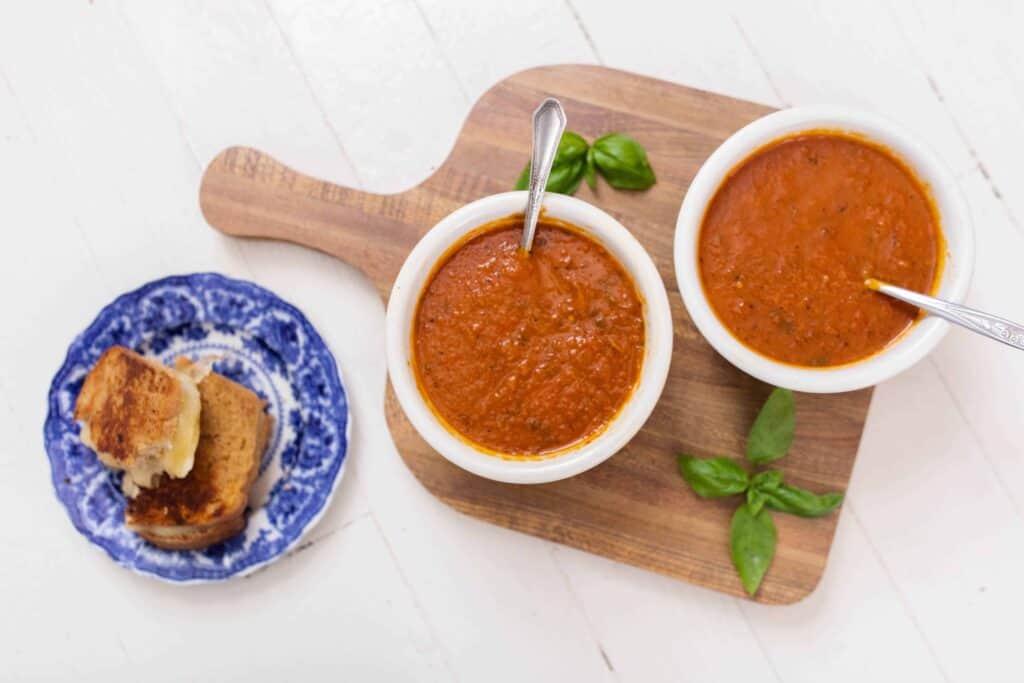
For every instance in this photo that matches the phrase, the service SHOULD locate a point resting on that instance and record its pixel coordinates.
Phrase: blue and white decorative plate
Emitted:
(263, 343)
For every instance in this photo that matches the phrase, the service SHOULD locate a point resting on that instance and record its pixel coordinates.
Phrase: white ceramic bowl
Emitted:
(909, 348)
(658, 353)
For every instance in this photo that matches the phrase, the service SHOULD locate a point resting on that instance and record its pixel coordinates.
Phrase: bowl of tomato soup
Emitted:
(784, 223)
(528, 367)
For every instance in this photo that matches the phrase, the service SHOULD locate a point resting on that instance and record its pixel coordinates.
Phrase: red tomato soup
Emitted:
(791, 235)
(528, 353)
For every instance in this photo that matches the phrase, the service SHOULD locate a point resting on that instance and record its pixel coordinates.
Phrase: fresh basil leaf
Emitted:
(623, 162)
(752, 539)
(568, 168)
(755, 500)
(769, 480)
(589, 173)
(713, 477)
(797, 501)
(772, 432)
(566, 178)
(572, 146)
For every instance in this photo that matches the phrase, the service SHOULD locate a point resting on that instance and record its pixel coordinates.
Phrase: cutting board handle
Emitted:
(247, 193)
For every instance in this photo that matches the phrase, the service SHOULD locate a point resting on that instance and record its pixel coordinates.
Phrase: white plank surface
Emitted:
(108, 113)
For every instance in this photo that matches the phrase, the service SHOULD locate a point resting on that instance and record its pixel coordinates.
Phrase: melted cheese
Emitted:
(178, 459)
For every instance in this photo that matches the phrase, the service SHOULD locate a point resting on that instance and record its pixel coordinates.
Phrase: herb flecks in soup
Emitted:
(526, 354)
(792, 234)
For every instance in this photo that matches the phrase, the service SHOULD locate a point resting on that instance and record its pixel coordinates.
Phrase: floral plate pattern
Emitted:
(263, 343)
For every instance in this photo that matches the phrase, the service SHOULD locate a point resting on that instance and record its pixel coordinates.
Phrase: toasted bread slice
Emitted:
(209, 504)
(139, 416)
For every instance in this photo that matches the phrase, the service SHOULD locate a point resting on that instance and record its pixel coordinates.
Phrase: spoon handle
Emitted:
(1000, 329)
(548, 126)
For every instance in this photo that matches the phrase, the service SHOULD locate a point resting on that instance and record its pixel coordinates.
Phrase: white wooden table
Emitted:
(108, 113)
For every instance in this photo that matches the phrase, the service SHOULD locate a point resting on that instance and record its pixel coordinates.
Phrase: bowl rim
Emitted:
(405, 294)
(907, 349)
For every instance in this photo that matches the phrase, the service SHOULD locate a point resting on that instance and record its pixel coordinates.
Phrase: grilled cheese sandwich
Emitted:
(139, 416)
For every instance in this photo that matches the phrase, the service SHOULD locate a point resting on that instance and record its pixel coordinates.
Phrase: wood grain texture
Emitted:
(633, 508)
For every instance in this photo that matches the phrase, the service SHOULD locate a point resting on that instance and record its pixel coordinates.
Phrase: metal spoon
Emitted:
(548, 126)
(1000, 329)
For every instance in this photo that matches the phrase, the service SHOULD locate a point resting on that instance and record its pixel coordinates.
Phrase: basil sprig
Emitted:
(621, 160)
(752, 534)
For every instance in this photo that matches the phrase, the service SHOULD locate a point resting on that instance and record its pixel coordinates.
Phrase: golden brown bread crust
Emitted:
(130, 405)
(194, 537)
(208, 505)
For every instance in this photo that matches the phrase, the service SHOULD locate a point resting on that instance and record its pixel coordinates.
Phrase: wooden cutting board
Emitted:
(633, 508)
